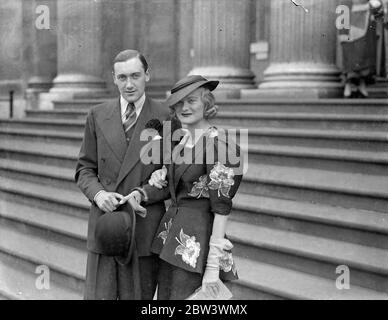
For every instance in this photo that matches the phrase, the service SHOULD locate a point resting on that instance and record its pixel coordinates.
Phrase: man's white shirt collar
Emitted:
(138, 105)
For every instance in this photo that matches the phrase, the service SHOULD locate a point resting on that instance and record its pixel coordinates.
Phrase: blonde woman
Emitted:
(201, 183)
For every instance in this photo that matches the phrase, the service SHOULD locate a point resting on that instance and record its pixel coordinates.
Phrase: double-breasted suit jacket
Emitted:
(107, 162)
(198, 190)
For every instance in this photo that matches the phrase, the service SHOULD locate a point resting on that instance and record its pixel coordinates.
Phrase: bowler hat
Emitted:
(187, 85)
(115, 234)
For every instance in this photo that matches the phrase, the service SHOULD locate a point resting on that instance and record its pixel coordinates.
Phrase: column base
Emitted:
(36, 86)
(292, 93)
(307, 80)
(232, 80)
(78, 83)
(73, 86)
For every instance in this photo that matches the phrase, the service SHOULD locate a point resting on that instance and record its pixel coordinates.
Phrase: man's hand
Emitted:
(158, 178)
(108, 201)
(134, 199)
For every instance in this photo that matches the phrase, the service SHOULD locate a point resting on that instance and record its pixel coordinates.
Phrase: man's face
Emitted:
(130, 78)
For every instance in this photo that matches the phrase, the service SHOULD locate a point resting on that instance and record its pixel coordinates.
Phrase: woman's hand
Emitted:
(210, 281)
(158, 178)
(134, 199)
(217, 247)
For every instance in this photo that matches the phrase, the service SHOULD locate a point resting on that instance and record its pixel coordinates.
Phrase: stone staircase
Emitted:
(315, 197)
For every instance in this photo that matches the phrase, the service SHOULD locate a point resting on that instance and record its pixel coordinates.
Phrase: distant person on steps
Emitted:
(363, 48)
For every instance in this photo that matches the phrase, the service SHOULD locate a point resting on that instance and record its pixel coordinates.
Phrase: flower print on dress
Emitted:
(200, 188)
(163, 235)
(227, 263)
(221, 179)
(188, 248)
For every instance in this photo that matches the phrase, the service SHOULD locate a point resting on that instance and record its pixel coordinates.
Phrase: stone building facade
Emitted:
(62, 47)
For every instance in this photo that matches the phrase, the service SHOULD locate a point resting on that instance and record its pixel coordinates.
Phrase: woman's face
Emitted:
(190, 110)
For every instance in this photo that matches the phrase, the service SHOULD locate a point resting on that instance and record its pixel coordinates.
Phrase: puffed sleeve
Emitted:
(224, 162)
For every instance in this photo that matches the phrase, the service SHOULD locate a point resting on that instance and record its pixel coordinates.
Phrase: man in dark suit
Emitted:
(108, 168)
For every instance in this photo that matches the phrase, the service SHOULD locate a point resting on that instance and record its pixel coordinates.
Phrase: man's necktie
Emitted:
(129, 117)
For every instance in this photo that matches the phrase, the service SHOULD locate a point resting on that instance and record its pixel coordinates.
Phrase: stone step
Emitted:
(39, 152)
(65, 263)
(46, 136)
(75, 120)
(76, 114)
(356, 161)
(87, 103)
(341, 139)
(372, 106)
(19, 278)
(310, 254)
(323, 106)
(330, 158)
(64, 201)
(38, 173)
(45, 222)
(378, 92)
(322, 121)
(363, 227)
(333, 106)
(316, 185)
(332, 139)
(290, 284)
(77, 104)
(70, 125)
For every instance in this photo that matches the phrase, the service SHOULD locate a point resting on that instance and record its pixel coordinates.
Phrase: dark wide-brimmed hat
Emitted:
(187, 85)
(115, 234)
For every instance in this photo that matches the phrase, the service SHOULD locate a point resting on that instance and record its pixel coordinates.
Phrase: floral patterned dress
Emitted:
(198, 190)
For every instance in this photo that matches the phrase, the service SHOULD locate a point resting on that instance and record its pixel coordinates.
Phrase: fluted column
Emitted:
(302, 49)
(222, 42)
(40, 49)
(80, 63)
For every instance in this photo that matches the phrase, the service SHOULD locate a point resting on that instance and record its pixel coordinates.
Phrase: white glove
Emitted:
(158, 178)
(107, 201)
(212, 270)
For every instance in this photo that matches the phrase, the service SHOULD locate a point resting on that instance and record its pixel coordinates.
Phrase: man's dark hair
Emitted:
(130, 54)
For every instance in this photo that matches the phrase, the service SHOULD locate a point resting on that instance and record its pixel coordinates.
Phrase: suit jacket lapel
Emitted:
(171, 185)
(132, 154)
(112, 130)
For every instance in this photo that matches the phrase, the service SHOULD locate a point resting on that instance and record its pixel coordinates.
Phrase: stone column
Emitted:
(11, 47)
(260, 41)
(11, 58)
(80, 63)
(222, 43)
(158, 41)
(184, 37)
(40, 47)
(302, 50)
